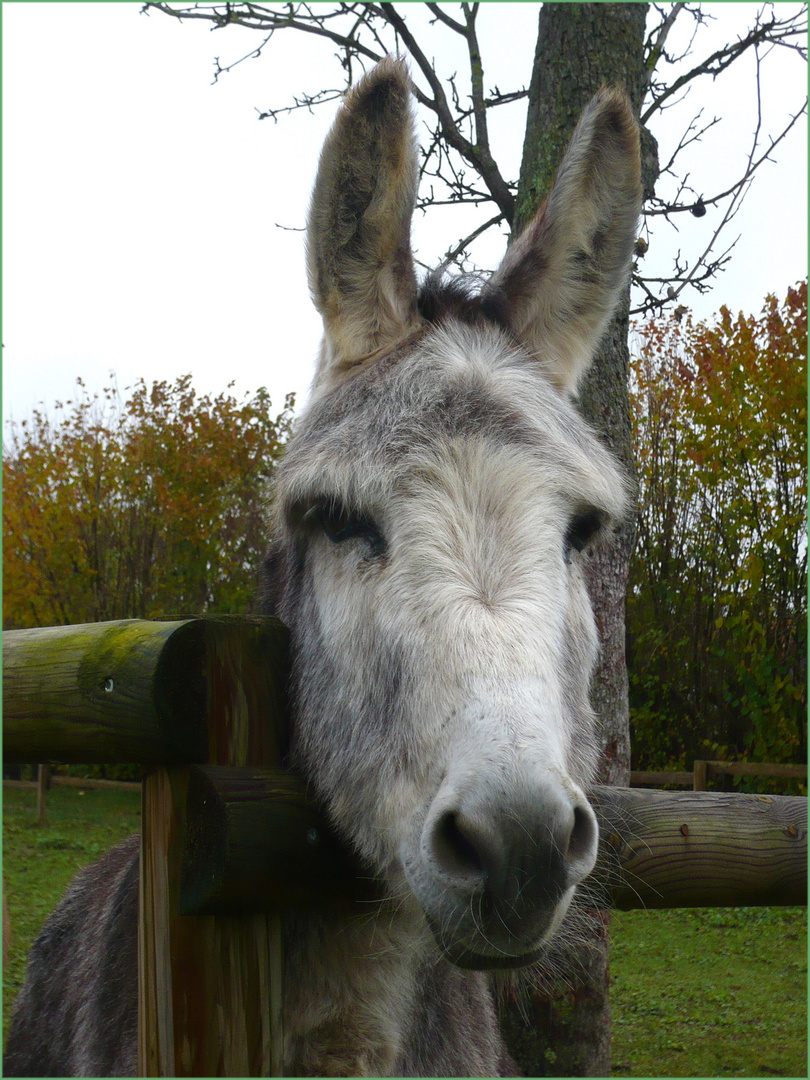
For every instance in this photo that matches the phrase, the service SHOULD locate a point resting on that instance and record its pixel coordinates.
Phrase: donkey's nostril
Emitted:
(584, 835)
(454, 847)
(522, 856)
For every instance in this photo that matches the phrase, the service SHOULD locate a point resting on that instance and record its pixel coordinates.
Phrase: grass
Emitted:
(708, 992)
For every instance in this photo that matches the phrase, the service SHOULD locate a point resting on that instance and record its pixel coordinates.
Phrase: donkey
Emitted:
(429, 521)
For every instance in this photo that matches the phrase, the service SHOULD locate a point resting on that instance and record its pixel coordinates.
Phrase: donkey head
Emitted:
(431, 514)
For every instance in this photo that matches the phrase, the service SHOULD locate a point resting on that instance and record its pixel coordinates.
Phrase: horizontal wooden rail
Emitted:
(667, 849)
(655, 778)
(139, 692)
(89, 783)
(705, 770)
(254, 840)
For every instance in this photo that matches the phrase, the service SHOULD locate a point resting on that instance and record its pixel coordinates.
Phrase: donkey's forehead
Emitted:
(362, 439)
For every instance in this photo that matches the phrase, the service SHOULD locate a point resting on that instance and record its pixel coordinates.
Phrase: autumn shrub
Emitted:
(145, 507)
(717, 604)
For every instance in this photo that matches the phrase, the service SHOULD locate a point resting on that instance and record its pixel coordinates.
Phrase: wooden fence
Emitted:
(230, 838)
(698, 779)
(704, 771)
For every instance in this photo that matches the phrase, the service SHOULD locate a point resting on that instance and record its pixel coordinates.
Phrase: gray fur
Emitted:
(430, 516)
(77, 1014)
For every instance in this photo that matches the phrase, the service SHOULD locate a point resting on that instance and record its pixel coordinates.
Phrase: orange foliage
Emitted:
(138, 508)
(717, 605)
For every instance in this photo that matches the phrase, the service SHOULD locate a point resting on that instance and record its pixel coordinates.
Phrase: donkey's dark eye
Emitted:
(582, 530)
(339, 524)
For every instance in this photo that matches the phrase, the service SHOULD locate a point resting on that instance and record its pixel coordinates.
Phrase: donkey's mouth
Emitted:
(474, 961)
(465, 956)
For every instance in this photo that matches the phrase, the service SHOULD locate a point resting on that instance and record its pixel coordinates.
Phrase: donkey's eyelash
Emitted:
(582, 529)
(340, 524)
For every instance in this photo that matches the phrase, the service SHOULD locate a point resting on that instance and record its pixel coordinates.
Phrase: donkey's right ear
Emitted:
(562, 278)
(359, 260)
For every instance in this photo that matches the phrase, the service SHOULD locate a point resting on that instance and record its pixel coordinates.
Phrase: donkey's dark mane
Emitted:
(469, 298)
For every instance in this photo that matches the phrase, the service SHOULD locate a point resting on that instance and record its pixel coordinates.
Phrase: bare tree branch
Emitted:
(457, 167)
(315, 20)
(773, 31)
(656, 41)
(703, 269)
(690, 135)
(442, 16)
(306, 101)
(258, 17)
(458, 255)
(654, 48)
(478, 156)
(750, 169)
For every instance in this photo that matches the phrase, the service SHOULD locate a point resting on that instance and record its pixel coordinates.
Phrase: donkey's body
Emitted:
(429, 515)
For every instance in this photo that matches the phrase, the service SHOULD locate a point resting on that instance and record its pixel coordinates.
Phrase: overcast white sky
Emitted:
(142, 206)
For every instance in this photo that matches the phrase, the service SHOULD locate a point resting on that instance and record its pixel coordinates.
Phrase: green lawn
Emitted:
(705, 992)
(710, 992)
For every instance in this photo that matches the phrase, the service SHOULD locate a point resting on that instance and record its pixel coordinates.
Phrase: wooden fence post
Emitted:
(169, 694)
(210, 985)
(43, 775)
(701, 776)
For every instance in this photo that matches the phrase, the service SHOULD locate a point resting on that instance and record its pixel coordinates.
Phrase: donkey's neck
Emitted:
(350, 989)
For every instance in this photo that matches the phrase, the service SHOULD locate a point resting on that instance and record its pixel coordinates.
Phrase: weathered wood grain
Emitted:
(254, 840)
(210, 985)
(141, 692)
(246, 846)
(662, 849)
(94, 693)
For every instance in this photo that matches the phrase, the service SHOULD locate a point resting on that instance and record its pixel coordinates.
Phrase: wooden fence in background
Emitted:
(704, 771)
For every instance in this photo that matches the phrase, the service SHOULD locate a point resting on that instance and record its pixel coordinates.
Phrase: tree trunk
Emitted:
(580, 47)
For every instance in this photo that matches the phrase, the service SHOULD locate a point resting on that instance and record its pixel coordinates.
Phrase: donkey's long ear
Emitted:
(563, 277)
(359, 259)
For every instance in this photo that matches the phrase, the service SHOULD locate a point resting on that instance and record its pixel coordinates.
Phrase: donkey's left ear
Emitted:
(359, 261)
(562, 278)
